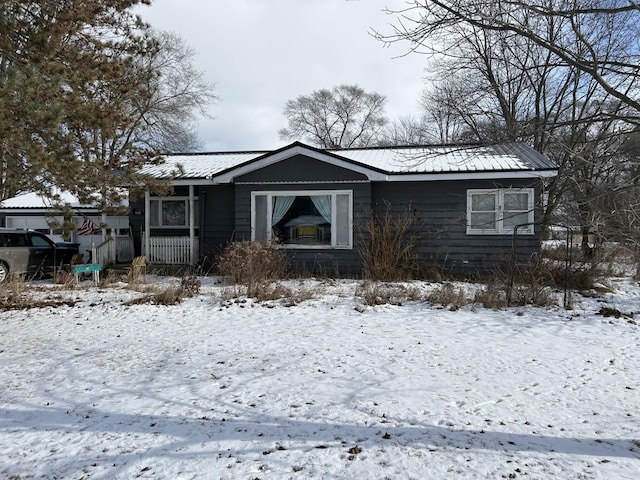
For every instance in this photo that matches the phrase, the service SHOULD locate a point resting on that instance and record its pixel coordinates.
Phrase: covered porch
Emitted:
(169, 234)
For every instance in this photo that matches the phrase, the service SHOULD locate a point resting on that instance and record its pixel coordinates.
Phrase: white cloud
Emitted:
(261, 54)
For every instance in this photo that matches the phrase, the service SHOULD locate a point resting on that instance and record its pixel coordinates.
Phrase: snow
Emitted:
(226, 388)
(37, 200)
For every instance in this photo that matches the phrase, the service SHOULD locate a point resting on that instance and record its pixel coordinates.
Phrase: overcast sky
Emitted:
(261, 53)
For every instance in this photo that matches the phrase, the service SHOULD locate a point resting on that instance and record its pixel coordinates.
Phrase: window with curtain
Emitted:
(499, 211)
(171, 212)
(314, 219)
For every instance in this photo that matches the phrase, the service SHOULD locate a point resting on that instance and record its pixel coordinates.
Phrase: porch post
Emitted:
(103, 224)
(192, 227)
(147, 222)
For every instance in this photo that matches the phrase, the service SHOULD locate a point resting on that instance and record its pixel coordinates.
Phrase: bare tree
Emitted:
(178, 93)
(345, 116)
(596, 37)
(501, 84)
(408, 130)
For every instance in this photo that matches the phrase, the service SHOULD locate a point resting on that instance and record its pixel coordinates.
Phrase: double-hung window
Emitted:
(498, 211)
(171, 212)
(304, 219)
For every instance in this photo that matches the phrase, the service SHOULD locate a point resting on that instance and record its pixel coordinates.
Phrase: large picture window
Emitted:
(312, 219)
(171, 212)
(499, 211)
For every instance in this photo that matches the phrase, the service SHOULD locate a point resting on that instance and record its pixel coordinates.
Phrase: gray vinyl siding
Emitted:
(300, 169)
(439, 213)
(217, 218)
(327, 261)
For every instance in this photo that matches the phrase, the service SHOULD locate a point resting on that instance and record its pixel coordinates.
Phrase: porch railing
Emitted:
(124, 249)
(105, 253)
(170, 250)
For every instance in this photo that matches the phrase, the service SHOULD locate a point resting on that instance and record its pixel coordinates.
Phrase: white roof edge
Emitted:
(192, 181)
(433, 177)
(290, 152)
(11, 210)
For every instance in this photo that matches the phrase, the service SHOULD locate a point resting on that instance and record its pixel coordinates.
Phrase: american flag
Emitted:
(87, 227)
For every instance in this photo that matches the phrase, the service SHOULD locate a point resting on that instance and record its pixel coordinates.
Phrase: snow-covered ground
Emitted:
(95, 389)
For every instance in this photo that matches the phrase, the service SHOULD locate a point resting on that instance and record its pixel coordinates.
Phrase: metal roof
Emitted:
(199, 165)
(33, 200)
(451, 158)
(392, 161)
(37, 201)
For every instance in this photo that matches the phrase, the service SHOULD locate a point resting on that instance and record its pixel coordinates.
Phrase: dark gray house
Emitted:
(464, 202)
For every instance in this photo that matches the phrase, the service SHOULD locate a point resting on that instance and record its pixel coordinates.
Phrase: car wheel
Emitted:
(4, 272)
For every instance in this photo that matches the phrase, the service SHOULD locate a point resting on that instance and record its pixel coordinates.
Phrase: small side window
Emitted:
(499, 211)
(39, 241)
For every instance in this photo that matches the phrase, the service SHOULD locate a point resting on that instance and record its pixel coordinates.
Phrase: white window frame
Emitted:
(160, 200)
(500, 229)
(305, 193)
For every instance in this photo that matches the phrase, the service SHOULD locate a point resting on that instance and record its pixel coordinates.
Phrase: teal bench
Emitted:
(93, 268)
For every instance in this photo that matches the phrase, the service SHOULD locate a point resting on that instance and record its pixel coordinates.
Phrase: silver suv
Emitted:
(31, 253)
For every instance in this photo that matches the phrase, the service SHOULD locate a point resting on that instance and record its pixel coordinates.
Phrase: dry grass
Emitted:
(170, 295)
(16, 294)
(448, 296)
(377, 293)
(268, 292)
(166, 295)
(110, 278)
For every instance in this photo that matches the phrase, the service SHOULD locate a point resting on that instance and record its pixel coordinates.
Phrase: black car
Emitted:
(31, 253)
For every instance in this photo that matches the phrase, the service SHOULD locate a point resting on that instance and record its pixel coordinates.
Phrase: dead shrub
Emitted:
(534, 294)
(15, 294)
(387, 247)
(607, 260)
(448, 296)
(491, 296)
(376, 293)
(252, 263)
(519, 285)
(190, 285)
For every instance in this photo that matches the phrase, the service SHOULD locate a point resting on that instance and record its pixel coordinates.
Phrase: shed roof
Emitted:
(34, 200)
(418, 162)
(38, 201)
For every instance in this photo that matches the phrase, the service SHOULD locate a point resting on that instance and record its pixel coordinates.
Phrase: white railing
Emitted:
(170, 250)
(105, 253)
